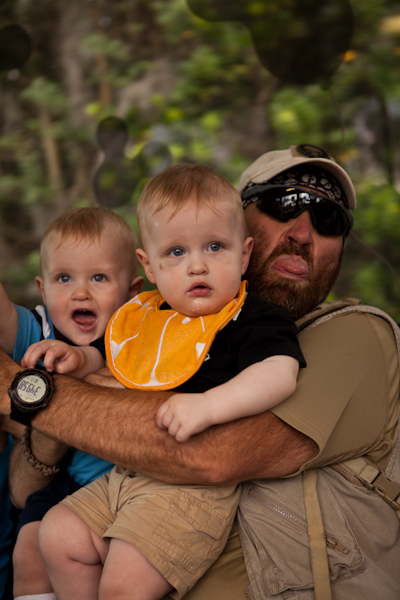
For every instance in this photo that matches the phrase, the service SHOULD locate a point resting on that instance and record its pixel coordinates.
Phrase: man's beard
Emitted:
(299, 297)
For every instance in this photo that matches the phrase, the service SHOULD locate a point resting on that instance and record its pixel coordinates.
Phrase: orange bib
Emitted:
(160, 349)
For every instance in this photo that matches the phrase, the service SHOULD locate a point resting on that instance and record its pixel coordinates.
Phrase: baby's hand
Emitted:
(183, 415)
(55, 355)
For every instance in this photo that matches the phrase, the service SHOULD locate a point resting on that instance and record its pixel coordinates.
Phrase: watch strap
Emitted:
(25, 418)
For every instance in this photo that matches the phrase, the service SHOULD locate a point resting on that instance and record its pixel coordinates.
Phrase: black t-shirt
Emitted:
(260, 330)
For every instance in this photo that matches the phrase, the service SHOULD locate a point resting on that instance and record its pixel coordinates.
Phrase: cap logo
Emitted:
(311, 151)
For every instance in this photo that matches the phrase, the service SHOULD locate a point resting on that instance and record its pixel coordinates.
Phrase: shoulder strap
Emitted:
(326, 308)
(332, 309)
(361, 471)
(316, 537)
(40, 315)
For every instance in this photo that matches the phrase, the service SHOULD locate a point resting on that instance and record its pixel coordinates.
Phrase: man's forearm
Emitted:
(119, 426)
(24, 479)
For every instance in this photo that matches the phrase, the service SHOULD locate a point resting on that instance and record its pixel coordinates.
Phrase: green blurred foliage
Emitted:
(197, 86)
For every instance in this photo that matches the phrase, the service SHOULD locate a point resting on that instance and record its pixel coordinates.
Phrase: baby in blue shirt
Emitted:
(88, 270)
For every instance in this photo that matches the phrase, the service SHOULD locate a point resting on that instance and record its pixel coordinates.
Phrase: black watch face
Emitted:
(31, 390)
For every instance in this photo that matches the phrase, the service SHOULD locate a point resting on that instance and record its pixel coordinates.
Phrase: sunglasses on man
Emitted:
(283, 203)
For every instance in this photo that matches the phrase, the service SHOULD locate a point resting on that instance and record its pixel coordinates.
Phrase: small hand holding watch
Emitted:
(30, 391)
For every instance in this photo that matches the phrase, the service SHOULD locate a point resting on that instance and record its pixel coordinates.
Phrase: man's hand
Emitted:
(105, 378)
(183, 415)
(55, 355)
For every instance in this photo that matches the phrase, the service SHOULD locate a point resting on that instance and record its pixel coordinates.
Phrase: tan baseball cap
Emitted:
(272, 163)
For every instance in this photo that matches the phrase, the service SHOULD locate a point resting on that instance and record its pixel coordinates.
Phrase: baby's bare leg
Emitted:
(128, 575)
(30, 574)
(73, 554)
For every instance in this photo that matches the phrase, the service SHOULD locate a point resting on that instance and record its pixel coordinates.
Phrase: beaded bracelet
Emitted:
(27, 452)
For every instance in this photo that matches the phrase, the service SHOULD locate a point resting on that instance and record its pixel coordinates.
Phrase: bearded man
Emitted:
(298, 205)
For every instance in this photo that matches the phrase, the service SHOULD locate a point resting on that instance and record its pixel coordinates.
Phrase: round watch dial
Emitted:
(31, 388)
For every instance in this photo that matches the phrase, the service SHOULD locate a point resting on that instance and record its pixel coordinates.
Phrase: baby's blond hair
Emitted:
(88, 223)
(178, 184)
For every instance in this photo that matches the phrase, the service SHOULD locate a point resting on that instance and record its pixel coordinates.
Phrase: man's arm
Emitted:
(24, 479)
(253, 391)
(119, 426)
(347, 399)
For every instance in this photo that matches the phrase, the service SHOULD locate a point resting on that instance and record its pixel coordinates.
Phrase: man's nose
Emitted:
(300, 229)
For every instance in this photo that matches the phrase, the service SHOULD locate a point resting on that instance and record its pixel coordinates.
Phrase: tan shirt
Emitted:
(347, 399)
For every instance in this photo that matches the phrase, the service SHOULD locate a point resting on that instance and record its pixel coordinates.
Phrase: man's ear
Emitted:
(135, 286)
(40, 285)
(144, 261)
(247, 249)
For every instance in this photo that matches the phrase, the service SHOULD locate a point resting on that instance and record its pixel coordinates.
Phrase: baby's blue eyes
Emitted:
(176, 252)
(96, 278)
(215, 247)
(64, 278)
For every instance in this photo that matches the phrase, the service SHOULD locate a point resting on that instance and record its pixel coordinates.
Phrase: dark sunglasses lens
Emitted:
(327, 218)
(276, 208)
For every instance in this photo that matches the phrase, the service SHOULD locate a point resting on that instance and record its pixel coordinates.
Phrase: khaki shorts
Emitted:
(180, 530)
(227, 578)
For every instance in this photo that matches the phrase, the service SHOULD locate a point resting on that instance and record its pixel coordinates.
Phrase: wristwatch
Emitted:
(30, 391)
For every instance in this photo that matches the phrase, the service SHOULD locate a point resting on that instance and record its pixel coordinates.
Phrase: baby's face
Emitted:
(197, 257)
(82, 284)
